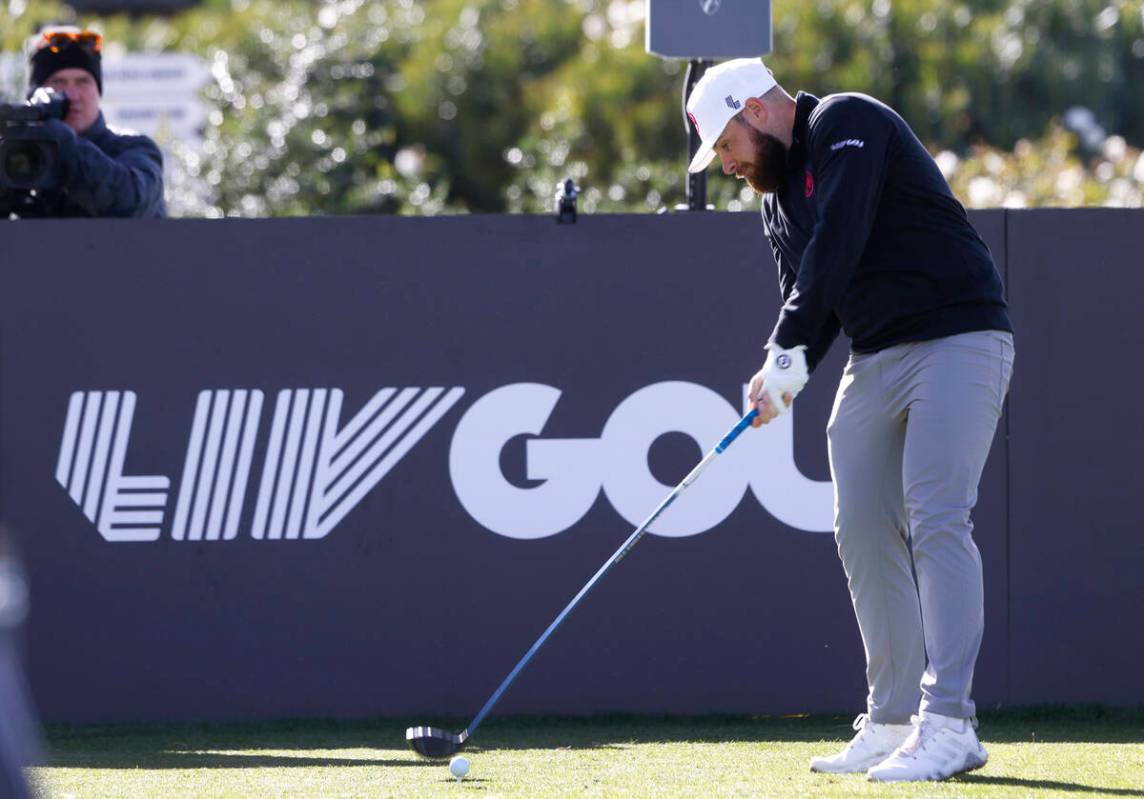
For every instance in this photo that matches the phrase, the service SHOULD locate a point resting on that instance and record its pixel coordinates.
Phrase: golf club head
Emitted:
(432, 742)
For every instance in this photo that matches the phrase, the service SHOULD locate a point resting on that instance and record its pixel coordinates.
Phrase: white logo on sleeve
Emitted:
(847, 143)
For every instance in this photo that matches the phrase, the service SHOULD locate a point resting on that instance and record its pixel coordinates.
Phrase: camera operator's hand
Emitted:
(68, 142)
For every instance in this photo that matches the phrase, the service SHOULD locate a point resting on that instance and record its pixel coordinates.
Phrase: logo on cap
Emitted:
(732, 102)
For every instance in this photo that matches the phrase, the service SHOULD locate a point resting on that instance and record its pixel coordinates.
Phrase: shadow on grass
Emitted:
(176, 759)
(238, 745)
(1045, 725)
(1045, 785)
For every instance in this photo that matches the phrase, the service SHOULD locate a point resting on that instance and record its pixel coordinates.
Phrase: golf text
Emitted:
(313, 469)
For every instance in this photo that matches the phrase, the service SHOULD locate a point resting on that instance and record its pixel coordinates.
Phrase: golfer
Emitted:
(870, 240)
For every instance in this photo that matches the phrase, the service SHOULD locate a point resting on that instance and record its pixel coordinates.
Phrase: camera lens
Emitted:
(24, 163)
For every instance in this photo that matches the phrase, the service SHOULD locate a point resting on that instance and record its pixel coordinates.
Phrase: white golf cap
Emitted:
(718, 96)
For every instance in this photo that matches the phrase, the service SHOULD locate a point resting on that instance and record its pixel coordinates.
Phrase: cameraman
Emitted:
(103, 172)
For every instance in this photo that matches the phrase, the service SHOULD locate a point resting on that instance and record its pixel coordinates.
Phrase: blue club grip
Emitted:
(739, 428)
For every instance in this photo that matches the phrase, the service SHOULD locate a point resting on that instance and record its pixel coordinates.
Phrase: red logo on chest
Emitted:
(809, 185)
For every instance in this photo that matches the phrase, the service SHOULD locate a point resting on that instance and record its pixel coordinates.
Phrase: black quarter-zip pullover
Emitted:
(869, 238)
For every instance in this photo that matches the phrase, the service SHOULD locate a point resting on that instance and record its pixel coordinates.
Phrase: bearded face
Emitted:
(767, 170)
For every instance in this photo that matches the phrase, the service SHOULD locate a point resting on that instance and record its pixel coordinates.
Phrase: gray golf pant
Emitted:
(909, 434)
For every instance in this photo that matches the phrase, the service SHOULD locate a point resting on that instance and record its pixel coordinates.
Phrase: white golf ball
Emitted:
(459, 766)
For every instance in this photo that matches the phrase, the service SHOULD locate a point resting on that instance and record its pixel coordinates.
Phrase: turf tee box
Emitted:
(708, 29)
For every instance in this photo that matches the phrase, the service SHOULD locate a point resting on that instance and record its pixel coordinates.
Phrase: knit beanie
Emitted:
(45, 63)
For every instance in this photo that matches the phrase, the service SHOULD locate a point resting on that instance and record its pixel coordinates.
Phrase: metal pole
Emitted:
(697, 182)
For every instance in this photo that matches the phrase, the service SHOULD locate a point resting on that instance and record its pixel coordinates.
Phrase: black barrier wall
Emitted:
(353, 467)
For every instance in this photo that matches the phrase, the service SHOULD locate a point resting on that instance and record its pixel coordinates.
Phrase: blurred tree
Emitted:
(304, 118)
(467, 83)
(965, 74)
(1047, 173)
(432, 106)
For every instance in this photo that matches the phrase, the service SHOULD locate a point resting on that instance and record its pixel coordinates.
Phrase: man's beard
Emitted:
(768, 170)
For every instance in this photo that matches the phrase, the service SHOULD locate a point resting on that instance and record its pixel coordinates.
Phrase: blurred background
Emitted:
(304, 107)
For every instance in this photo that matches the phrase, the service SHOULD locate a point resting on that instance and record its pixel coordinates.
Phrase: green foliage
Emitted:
(468, 84)
(1047, 173)
(445, 106)
(305, 118)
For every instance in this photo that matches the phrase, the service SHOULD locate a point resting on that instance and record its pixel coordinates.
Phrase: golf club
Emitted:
(435, 742)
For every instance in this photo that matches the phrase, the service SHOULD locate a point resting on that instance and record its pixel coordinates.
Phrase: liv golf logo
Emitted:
(313, 474)
(317, 468)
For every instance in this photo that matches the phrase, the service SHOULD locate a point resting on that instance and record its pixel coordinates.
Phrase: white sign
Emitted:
(156, 94)
(180, 119)
(154, 75)
(13, 77)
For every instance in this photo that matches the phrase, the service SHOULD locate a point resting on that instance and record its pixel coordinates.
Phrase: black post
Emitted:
(697, 182)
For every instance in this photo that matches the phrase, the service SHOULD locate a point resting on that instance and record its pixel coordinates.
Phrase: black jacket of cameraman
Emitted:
(105, 173)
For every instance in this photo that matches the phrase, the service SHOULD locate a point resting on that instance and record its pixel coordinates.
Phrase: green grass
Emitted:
(1076, 753)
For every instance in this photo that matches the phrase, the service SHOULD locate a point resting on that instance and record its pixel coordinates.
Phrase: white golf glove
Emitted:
(784, 372)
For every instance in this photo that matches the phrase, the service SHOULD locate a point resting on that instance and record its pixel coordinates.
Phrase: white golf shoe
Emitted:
(938, 748)
(873, 744)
